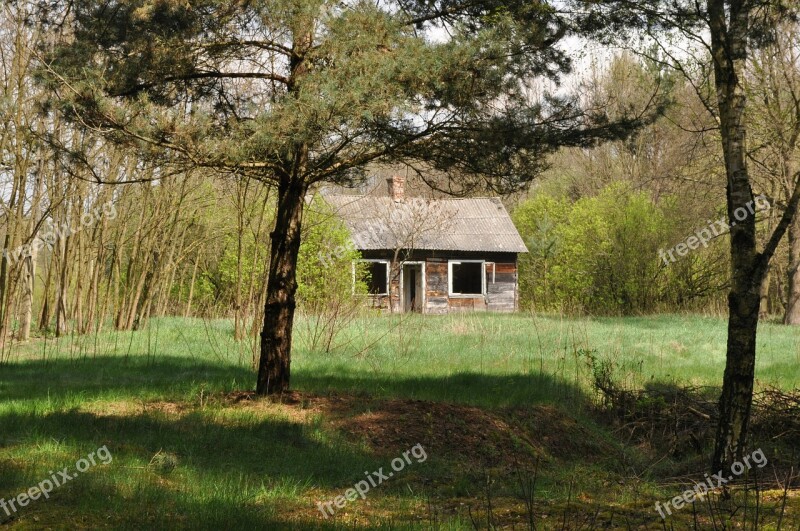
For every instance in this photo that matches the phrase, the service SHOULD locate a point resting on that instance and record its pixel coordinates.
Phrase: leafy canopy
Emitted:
(315, 89)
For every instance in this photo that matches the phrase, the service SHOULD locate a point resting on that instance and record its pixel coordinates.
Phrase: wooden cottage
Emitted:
(434, 256)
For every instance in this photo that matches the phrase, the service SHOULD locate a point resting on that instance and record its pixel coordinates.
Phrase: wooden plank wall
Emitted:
(394, 288)
(501, 289)
(382, 302)
(436, 286)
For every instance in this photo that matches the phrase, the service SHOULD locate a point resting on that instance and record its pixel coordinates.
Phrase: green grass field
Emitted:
(495, 400)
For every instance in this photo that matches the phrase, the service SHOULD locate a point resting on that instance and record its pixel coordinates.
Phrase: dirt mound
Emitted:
(510, 437)
(561, 435)
(491, 438)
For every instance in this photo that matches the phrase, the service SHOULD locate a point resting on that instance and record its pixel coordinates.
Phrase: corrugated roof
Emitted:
(481, 224)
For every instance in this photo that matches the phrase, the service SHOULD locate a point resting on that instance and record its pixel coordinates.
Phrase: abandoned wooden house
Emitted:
(433, 256)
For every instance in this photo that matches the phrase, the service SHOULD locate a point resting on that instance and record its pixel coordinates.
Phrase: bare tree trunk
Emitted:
(763, 295)
(792, 315)
(112, 295)
(276, 335)
(79, 242)
(241, 208)
(188, 310)
(143, 311)
(63, 288)
(13, 217)
(133, 307)
(749, 267)
(124, 312)
(29, 265)
(26, 304)
(46, 315)
(256, 301)
(95, 269)
(729, 53)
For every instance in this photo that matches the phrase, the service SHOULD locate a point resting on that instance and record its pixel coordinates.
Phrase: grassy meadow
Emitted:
(502, 404)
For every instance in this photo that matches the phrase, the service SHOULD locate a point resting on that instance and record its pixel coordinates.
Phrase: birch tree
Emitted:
(710, 43)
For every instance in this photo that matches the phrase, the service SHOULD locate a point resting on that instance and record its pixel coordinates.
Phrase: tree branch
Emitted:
(763, 258)
(132, 91)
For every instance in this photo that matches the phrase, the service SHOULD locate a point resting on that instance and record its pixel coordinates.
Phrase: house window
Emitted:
(467, 277)
(375, 275)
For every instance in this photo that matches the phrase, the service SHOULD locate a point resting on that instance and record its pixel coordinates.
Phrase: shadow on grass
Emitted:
(487, 390)
(169, 377)
(126, 377)
(233, 468)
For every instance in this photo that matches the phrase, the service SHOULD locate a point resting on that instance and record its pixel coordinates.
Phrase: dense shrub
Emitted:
(325, 263)
(601, 255)
(327, 296)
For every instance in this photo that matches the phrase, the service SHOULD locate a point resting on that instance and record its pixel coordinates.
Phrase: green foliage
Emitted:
(613, 239)
(346, 84)
(326, 260)
(227, 269)
(601, 254)
(538, 221)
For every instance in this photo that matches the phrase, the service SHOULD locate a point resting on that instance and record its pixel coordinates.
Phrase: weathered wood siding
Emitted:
(394, 288)
(467, 304)
(501, 283)
(501, 287)
(382, 302)
(436, 286)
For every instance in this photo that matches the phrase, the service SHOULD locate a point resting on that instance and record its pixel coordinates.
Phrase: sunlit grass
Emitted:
(185, 456)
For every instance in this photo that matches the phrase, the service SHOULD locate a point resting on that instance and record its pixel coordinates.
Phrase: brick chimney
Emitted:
(397, 188)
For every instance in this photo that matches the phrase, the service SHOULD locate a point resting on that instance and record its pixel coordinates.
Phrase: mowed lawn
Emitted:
(495, 400)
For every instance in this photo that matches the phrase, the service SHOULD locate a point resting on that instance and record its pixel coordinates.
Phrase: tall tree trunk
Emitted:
(79, 242)
(188, 310)
(124, 318)
(13, 217)
(111, 299)
(46, 314)
(792, 315)
(276, 335)
(26, 304)
(142, 308)
(728, 40)
(256, 301)
(87, 324)
(29, 265)
(96, 261)
(63, 288)
(729, 24)
(241, 211)
(763, 294)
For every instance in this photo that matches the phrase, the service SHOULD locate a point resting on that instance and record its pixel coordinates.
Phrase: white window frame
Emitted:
(388, 275)
(450, 264)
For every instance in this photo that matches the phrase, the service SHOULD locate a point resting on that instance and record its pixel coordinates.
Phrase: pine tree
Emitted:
(299, 92)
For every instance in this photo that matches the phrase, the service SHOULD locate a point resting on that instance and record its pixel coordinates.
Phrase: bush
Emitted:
(327, 296)
(601, 254)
